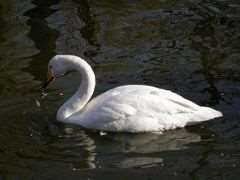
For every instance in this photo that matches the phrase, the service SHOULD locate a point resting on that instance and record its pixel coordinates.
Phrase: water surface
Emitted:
(191, 47)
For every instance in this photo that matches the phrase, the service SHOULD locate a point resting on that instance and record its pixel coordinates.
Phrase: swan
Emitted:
(128, 108)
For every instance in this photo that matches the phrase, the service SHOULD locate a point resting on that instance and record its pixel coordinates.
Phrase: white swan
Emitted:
(130, 108)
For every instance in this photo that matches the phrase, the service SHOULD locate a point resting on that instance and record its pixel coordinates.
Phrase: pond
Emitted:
(191, 47)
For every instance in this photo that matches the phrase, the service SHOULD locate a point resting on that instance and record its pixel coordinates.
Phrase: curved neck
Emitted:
(84, 92)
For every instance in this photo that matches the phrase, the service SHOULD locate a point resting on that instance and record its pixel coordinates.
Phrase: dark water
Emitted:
(191, 47)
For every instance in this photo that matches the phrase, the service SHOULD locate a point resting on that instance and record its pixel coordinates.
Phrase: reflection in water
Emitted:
(204, 41)
(84, 12)
(150, 143)
(74, 147)
(14, 47)
(84, 150)
(44, 41)
(191, 47)
(141, 150)
(140, 162)
(76, 26)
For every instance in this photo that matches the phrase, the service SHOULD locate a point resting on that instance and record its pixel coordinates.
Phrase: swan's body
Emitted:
(130, 108)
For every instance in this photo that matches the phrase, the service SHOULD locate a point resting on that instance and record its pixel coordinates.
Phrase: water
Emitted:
(190, 47)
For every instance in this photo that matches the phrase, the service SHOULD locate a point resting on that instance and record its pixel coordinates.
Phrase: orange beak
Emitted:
(50, 78)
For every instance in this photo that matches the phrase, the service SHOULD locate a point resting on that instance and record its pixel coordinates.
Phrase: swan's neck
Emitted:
(85, 91)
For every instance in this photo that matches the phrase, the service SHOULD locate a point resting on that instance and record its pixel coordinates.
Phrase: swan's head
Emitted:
(56, 68)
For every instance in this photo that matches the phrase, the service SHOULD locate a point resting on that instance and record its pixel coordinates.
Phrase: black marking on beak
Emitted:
(50, 78)
(47, 82)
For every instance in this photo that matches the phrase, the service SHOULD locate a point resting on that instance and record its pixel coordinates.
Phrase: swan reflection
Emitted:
(84, 149)
(143, 162)
(140, 150)
(150, 142)
(75, 147)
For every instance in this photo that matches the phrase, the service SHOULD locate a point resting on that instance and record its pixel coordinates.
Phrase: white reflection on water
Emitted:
(143, 162)
(122, 150)
(77, 148)
(150, 143)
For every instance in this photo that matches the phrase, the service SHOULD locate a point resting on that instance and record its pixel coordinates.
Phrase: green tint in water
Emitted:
(190, 47)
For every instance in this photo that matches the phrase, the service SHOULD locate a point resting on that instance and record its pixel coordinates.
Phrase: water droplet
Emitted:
(61, 94)
(43, 95)
(102, 133)
(74, 169)
(37, 103)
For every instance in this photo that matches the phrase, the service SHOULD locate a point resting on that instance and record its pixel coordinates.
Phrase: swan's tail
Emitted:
(204, 114)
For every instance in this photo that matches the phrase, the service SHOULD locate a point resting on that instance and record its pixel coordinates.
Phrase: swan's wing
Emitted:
(171, 102)
(130, 100)
(182, 112)
(151, 98)
(136, 103)
(138, 107)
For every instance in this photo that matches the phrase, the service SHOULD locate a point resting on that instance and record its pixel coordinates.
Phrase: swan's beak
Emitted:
(50, 78)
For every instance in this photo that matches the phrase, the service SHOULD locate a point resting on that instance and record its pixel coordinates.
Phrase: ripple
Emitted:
(190, 47)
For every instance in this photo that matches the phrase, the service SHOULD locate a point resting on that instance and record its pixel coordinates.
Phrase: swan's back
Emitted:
(140, 108)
